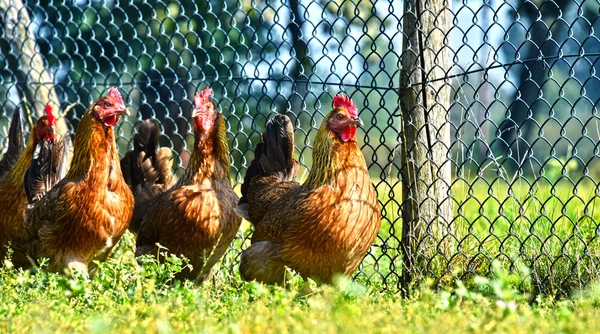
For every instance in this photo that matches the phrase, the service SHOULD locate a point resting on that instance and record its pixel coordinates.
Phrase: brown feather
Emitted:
(12, 191)
(83, 217)
(195, 218)
(12, 206)
(147, 169)
(320, 228)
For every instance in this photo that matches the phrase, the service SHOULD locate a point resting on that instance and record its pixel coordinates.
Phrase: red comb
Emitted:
(201, 97)
(341, 101)
(49, 114)
(115, 94)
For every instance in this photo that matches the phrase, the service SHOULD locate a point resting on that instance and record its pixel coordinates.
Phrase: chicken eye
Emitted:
(107, 105)
(340, 116)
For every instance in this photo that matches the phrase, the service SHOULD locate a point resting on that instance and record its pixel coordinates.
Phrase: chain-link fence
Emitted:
(518, 131)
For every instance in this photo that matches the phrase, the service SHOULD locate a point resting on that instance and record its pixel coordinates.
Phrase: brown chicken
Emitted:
(195, 218)
(147, 169)
(83, 217)
(12, 193)
(321, 228)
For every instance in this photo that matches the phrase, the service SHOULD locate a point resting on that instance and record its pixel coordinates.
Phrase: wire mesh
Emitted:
(523, 117)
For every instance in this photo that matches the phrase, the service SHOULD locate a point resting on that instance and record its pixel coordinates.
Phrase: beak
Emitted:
(357, 121)
(125, 111)
(195, 113)
(51, 129)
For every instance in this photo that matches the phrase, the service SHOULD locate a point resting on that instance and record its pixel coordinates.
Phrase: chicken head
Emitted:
(344, 118)
(45, 126)
(109, 109)
(205, 112)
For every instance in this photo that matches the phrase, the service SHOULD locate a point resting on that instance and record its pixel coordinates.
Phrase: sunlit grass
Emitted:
(131, 298)
(499, 229)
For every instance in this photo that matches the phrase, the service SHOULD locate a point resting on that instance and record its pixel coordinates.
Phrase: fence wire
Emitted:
(523, 109)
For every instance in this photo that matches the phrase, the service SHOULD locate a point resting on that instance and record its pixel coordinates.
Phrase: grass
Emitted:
(125, 297)
(498, 294)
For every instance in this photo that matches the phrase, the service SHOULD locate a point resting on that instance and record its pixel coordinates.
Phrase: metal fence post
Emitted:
(426, 168)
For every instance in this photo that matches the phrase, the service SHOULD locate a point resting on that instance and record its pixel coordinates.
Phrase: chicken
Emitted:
(12, 193)
(16, 143)
(147, 169)
(322, 227)
(195, 218)
(83, 217)
(49, 164)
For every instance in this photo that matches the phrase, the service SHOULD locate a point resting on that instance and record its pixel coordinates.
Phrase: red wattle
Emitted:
(111, 120)
(348, 133)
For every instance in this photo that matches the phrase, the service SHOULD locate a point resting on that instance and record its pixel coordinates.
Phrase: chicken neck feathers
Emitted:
(90, 208)
(195, 217)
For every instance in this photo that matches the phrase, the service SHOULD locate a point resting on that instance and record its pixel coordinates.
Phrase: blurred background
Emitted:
(528, 98)
(259, 57)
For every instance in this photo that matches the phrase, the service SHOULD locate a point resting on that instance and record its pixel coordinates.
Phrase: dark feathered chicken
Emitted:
(322, 227)
(195, 218)
(147, 169)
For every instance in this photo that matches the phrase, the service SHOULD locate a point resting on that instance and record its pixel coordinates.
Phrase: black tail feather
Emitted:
(274, 155)
(49, 165)
(147, 169)
(16, 143)
(37, 177)
(146, 141)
